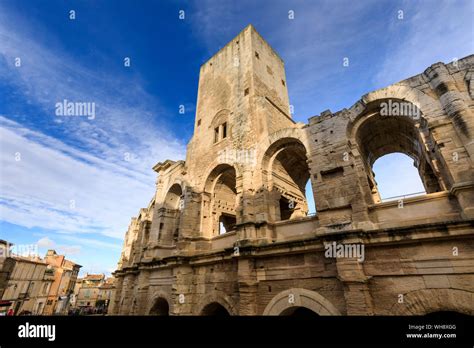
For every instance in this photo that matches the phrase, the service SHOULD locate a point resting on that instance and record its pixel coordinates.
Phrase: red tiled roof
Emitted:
(94, 277)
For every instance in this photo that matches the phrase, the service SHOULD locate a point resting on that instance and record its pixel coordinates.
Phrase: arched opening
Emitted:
(173, 197)
(304, 302)
(215, 309)
(289, 176)
(310, 198)
(160, 307)
(145, 226)
(392, 170)
(226, 223)
(455, 302)
(220, 201)
(169, 215)
(397, 126)
(300, 312)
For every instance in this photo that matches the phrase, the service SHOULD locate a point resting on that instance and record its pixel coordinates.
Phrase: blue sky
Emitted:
(79, 181)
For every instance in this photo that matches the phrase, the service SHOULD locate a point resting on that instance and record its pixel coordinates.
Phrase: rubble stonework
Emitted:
(228, 235)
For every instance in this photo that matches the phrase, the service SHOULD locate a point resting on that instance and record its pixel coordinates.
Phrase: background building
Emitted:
(6, 266)
(65, 276)
(31, 285)
(93, 294)
(27, 287)
(106, 295)
(88, 293)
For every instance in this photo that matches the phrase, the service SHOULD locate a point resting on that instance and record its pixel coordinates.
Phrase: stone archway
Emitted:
(160, 303)
(391, 125)
(288, 301)
(169, 215)
(220, 201)
(160, 307)
(215, 304)
(286, 174)
(173, 197)
(215, 309)
(426, 301)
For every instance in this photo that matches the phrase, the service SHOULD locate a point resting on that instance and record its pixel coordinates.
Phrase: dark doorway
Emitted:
(215, 309)
(300, 312)
(160, 308)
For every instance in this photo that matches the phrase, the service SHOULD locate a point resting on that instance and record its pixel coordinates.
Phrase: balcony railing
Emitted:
(408, 195)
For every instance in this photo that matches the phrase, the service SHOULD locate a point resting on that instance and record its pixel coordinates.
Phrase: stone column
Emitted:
(142, 293)
(248, 286)
(183, 298)
(453, 103)
(460, 159)
(356, 290)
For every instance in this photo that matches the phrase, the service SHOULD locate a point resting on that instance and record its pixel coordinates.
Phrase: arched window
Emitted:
(289, 175)
(169, 215)
(396, 126)
(397, 176)
(220, 201)
(220, 126)
(173, 197)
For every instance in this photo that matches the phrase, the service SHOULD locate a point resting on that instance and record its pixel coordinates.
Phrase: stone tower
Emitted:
(228, 229)
(242, 99)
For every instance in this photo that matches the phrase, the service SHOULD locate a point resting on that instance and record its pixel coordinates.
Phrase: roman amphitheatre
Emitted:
(231, 235)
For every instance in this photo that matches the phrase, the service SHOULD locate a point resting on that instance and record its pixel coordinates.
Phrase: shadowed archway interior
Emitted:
(160, 307)
(215, 309)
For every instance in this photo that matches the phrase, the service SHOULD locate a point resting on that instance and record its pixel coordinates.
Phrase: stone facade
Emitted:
(27, 286)
(65, 277)
(6, 266)
(93, 294)
(228, 229)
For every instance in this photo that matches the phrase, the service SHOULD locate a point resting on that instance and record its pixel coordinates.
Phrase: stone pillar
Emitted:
(114, 306)
(460, 160)
(190, 214)
(128, 294)
(453, 103)
(356, 290)
(142, 293)
(183, 297)
(248, 287)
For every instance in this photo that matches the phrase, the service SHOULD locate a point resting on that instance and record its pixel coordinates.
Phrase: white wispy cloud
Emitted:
(429, 32)
(126, 115)
(92, 242)
(53, 188)
(47, 243)
(99, 174)
(69, 250)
